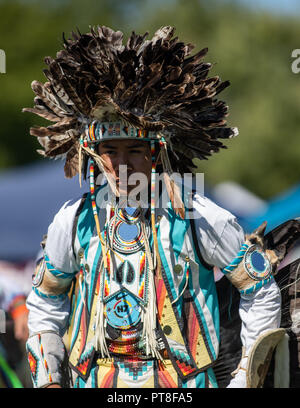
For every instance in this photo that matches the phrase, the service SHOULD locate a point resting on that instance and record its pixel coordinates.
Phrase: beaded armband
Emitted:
(46, 353)
(49, 282)
(250, 269)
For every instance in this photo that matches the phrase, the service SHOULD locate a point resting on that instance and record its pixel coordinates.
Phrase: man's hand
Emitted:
(239, 380)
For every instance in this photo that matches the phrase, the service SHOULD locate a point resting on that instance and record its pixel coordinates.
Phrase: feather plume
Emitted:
(155, 85)
(172, 188)
(175, 195)
(42, 112)
(71, 164)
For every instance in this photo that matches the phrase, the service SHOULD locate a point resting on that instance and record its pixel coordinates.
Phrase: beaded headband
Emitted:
(98, 131)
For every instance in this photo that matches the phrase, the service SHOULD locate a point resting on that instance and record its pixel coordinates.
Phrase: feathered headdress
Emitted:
(150, 88)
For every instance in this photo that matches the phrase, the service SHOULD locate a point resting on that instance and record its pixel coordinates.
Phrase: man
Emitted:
(137, 263)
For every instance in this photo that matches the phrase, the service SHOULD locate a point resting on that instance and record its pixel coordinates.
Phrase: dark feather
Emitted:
(41, 132)
(152, 84)
(44, 113)
(71, 164)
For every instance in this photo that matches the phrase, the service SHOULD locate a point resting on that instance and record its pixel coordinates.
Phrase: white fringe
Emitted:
(149, 321)
(100, 339)
(149, 311)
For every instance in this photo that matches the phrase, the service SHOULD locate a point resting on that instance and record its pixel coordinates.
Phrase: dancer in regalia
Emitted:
(128, 269)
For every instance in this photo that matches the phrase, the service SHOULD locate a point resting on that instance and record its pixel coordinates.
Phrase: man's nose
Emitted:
(122, 164)
(122, 171)
(122, 159)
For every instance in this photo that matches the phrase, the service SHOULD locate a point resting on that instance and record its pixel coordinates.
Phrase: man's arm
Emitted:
(47, 322)
(220, 239)
(251, 271)
(48, 303)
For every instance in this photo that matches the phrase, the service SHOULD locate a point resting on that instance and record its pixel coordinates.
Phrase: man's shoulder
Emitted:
(60, 236)
(69, 209)
(207, 209)
(220, 235)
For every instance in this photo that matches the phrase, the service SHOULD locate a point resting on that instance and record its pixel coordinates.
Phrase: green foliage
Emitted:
(252, 50)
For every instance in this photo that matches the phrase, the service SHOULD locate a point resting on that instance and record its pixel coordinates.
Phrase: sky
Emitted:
(286, 7)
(277, 6)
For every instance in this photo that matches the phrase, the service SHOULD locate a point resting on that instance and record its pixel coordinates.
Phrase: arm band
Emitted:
(49, 282)
(250, 269)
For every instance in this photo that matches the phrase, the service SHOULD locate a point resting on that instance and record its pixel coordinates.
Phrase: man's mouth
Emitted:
(123, 179)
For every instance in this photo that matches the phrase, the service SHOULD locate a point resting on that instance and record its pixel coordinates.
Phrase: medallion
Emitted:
(257, 264)
(125, 230)
(123, 310)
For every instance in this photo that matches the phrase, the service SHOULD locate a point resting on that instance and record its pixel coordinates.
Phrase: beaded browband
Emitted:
(98, 131)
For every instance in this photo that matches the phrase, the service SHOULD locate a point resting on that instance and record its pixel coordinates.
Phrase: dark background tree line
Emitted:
(250, 48)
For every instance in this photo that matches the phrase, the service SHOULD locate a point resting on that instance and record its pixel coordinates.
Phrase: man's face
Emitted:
(134, 154)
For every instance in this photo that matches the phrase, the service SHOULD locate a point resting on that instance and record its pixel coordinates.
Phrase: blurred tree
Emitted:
(28, 32)
(251, 49)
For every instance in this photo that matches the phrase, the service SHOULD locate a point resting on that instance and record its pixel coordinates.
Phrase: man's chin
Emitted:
(123, 190)
(132, 200)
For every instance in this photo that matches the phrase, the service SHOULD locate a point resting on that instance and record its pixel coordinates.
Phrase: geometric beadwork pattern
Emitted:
(84, 362)
(183, 361)
(82, 367)
(135, 369)
(33, 364)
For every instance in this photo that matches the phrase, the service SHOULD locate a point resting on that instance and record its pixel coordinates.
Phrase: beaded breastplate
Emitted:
(125, 282)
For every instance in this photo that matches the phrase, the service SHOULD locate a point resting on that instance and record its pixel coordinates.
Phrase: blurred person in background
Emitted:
(15, 327)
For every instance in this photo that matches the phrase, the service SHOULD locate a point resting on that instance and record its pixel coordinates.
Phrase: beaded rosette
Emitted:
(251, 268)
(125, 231)
(257, 264)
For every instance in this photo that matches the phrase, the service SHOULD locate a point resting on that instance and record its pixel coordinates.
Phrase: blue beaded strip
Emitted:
(255, 287)
(44, 295)
(57, 273)
(237, 260)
